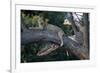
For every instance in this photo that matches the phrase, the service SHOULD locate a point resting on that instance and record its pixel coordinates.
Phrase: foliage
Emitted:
(28, 52)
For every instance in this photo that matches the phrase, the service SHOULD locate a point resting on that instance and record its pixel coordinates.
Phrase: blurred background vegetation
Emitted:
(29, 51)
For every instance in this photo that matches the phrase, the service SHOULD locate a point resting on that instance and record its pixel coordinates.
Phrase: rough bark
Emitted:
(78, 34)
(39, 35)
(71, 19)
(36, 35)
(86, 30)
(82, 29)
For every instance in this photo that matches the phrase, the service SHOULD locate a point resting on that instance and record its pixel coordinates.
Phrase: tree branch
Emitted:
(31, 36)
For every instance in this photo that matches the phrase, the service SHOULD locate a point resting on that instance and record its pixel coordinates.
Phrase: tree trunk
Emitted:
(86, 30)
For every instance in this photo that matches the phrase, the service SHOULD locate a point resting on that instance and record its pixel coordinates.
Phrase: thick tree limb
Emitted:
(31, 36)
(86, 30)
